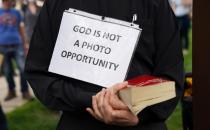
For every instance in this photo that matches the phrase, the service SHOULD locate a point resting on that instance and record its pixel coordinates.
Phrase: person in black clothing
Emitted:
(158, 53)
(3, 122)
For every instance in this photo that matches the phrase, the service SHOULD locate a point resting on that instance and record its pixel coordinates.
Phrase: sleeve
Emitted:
(56, 92)
(168, 61)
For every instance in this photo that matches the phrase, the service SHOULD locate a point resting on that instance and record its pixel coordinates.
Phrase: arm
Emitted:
(168, 64)
(55, 91)
(21, 27)
(168, 61)
(22, 32)
(23, 36)
(187, 2)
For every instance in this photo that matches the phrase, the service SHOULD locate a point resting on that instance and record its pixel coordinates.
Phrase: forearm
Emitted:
(59, 94)
(22, 33)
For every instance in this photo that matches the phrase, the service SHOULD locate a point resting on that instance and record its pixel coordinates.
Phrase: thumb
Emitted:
(119, 86)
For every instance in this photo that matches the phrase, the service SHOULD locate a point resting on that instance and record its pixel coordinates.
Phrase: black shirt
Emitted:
(158, 53)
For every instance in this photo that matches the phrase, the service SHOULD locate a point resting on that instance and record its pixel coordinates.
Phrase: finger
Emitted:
(108, 110)
(116, 103)
(119, 86)
(101, 102)
(106, 104)
(89, 110)
(127, 115)
(125, 118)
(95, 108)
(123, 114)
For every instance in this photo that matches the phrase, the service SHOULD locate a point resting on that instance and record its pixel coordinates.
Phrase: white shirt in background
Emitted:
(180, 9)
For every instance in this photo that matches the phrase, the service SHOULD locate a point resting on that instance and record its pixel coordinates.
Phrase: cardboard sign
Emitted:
(94, 50)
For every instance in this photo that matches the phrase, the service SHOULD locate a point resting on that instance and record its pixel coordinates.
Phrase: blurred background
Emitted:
(20, 111)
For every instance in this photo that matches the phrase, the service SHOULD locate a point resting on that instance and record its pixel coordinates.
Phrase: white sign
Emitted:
(94, 50)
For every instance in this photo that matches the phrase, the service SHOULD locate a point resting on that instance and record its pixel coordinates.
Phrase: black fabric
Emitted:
(158, 53)
(70, 121)
(3, 122)
(184, 22)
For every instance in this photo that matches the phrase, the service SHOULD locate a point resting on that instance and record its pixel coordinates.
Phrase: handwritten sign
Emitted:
(94, 50)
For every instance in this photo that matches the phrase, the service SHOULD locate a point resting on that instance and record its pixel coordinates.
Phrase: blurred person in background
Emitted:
(12, 41)
(39, 3)
(21, 5)
(183, 12)
(31, 16)
(3, 122)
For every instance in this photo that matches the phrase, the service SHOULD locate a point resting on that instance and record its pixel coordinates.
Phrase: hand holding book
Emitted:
(145, 91)
(120, 104)
(108, 108)
(114, 99)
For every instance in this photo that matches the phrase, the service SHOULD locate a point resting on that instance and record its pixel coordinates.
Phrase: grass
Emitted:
(188, 57)
(175, 121)
(34, 116)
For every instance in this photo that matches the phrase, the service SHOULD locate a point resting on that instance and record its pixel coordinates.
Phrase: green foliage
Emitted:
(175, 121)
(32, 116)
(188, 57)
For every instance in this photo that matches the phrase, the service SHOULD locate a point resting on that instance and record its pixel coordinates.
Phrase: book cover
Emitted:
(146, 90)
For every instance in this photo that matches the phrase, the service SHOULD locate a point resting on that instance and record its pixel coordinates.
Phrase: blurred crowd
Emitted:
(183, 12)
(17, 21)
